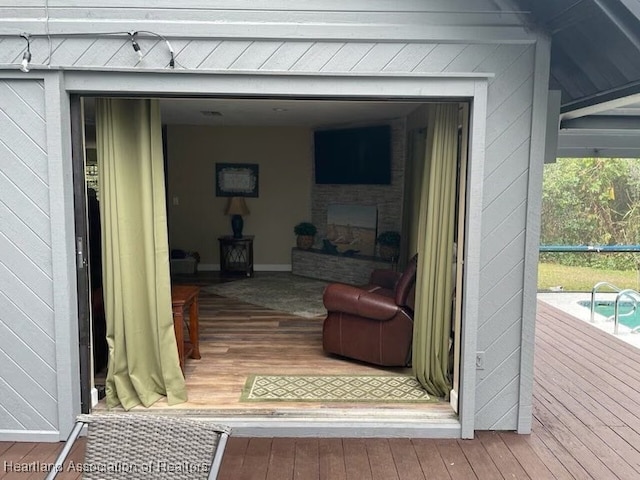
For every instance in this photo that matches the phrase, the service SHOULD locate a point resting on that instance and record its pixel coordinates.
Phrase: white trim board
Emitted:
(353, 427)
(30, 436)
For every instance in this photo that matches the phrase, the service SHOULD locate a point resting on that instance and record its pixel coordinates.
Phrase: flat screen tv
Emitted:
(355, 156)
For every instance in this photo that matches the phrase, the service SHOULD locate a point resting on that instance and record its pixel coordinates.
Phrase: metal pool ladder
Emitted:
(626, 293)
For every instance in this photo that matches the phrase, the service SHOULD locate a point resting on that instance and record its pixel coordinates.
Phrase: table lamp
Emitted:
(236, 208)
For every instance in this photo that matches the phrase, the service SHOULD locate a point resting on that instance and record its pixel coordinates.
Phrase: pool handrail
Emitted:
(594, 290)
(628, 293)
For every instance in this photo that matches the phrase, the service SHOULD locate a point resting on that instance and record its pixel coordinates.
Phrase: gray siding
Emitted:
(28, 380)
(274, 37)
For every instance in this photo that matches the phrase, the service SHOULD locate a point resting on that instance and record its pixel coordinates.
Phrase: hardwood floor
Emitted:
(585, 426)
(238, 339)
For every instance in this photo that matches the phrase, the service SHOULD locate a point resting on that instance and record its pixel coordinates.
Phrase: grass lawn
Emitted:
(582, 279)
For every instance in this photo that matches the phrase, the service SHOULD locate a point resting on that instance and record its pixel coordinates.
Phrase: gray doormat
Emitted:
(280, 291)
(335, 388)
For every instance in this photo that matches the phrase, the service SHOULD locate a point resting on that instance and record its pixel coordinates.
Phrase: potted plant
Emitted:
(389, 242)
(305, 231)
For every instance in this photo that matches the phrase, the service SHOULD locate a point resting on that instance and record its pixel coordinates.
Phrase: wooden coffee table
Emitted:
(183, 298)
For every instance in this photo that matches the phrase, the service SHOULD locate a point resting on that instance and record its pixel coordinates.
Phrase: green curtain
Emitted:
(143, 361)
(434, 288)
(415, 175)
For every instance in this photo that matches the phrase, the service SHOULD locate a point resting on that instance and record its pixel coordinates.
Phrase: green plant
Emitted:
(305, 228)
(389, 239)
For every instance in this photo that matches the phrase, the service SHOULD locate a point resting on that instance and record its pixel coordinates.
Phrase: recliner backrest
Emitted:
(405, 288)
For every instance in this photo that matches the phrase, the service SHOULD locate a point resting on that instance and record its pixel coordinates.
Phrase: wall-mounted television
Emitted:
(354, 156)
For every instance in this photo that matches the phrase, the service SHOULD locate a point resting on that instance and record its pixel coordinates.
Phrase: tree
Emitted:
(592, 201)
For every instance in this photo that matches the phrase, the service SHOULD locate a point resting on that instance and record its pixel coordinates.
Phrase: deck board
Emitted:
(585, 426)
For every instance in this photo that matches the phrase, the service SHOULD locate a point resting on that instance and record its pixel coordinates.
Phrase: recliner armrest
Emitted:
(339, 297)
(384, 278)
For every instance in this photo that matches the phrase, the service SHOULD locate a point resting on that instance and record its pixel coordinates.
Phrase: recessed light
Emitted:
(280, 109)
(210, 113)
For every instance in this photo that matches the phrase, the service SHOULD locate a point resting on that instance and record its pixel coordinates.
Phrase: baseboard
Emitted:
(276, 267)
(263, 267)
(29, 436)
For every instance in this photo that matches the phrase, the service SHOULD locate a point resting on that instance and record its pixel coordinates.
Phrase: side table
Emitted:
(236, 255)
(185, 297)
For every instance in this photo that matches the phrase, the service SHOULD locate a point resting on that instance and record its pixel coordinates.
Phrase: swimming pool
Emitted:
(626, 315)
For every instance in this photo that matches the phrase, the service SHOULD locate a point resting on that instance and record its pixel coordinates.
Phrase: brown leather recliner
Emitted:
(372, 323)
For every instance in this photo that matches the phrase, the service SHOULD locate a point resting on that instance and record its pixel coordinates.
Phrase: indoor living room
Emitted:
(277, 330)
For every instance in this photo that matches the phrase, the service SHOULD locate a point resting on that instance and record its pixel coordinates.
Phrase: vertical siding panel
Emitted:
(347, 57)
(28, 387)
(503, 235)
(96, 53)
(316, 57)
(511, 169)
(255, 56)
(438, 58)
(470, 58)
(409, 57)
(19, 263)
(500, 150)
(195, 52)
(517, 103)
(378, 57)
(23, 177)
(504, 56)
(510, 79)
(225, 54)
(17, 322)
(286, 56)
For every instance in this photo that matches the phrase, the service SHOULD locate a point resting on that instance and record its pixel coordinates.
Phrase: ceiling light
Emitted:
(280, 109)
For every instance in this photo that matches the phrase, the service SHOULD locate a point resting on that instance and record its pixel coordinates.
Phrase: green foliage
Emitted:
(389, 239)
(305, 228)
(592, 201)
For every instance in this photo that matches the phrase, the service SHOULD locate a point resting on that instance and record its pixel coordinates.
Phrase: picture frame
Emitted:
(237, 179)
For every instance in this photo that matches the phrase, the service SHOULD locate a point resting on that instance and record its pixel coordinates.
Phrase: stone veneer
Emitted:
(335, 268)
(387, 198)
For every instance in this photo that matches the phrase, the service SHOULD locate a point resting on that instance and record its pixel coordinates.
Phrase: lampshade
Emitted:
(237, 206)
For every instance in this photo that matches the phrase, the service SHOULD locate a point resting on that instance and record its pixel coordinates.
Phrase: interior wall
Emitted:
(388, 198)
(196, 215)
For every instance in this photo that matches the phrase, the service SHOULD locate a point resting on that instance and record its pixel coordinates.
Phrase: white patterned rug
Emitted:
(335, 388)
(280, 291)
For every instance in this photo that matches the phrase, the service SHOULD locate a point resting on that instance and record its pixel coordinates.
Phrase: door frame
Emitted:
(471, 88)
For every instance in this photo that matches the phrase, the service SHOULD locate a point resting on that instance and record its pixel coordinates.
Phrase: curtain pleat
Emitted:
(434, 288)
(143, 361)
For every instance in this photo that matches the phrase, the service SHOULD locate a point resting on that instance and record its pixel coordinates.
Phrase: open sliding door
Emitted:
(82, 248)
(463, 144)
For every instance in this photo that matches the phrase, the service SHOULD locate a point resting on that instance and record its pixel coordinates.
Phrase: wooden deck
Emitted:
(586, 426)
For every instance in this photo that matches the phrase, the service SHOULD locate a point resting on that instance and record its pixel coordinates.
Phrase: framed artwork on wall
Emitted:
(237, 180)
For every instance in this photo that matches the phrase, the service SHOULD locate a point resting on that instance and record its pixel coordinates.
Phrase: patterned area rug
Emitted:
(280, 291)
(334, 388)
